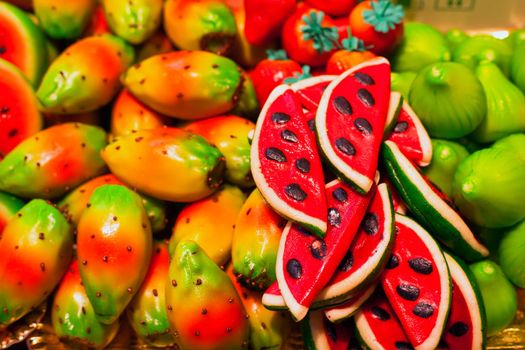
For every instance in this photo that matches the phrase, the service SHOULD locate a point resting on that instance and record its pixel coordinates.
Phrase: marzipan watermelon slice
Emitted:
(377, 326)
(320, 334)
(411, 137)
(350, 121)
(285, 163)
(465, 329)
(397, 202)
(367, 255)
(344, 311)
(273, 299)
(429, 206)
(305, 263)
(311, 89)
(417, 284)
(396, 105)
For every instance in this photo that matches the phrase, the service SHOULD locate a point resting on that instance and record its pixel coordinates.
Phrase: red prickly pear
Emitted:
(114, 249)
(35, 249)
(203, 305)
(98, 25)
(9, 205)
(64, 19)
(73, 317)
(147, 313)
(53, 161)
(86, 76)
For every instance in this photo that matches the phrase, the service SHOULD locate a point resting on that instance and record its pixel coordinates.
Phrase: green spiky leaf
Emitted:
(276, 55)
(324, 38)
(384, 15)
(299, 76)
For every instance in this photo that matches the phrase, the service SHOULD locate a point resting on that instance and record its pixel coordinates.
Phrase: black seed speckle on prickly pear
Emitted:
(303, 165)
(334, 218)
(423, 310)
(295, 191)
(380, 313)
(458, 329)
(408, 292)
(401, 126)
(289, 136)
(345, 146)
(342, 105)
(275, 154)
(347, 262)
(340, 195)
(421, 265)
(364, 78)
(402, 345)
(370, 224)
(366, 97)
(294, 268)
(393, 262)
(280, 118)
(363, 126)
(318, 249)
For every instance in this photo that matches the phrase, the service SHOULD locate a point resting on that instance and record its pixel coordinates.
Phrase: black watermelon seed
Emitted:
(403, 345)
(345, 146)
(347, 262)
(318, 249)
(366, 97)
(370, 224)
(303, 231)
(294, 268)
(380, 313)
(458, 329)
(334, 218)
(311, 124)
(303, 165)
(295, 191)
(408, 292)
(340, 195)
(393, 262)
(363, 126)
(364, 78)
(2, 50)
(280, 118)
(289, 136)
(342, 105)
(421, 265)
(331, 331)
(401, 126)
(423, 310)
(275, 154)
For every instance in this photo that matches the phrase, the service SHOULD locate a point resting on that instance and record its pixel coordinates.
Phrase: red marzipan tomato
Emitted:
(333, 7)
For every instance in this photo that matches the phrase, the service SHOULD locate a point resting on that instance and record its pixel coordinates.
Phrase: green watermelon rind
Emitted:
(337, 315)
(343, 290)
(36, 58)
(461, 274)
(312, 329)
(364, 333)
(312, 224)
(394, 108)
(360, 182)
(428, 208)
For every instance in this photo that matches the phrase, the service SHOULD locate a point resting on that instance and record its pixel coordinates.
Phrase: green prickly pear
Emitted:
(9, 205)
(64, 19)
(114, 249)
(53, 161)
(35, 249)
(147, 312)
(86, 75)
(134, 21)
(203, 305)
(73, 317)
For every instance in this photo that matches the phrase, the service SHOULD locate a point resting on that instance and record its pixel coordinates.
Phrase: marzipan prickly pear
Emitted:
(64, 19)
(157, 44)
(9, 205)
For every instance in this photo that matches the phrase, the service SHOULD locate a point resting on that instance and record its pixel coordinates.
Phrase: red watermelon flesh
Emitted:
(368, 253)
(19, 115)
(350, 121)
(305, 263)
(321, 334)
(350, 307)
(411, 137)
(285, 162)
(310, 90)
(417, 285)
(378, 327)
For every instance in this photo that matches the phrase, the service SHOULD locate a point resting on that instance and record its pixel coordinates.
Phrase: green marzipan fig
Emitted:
(517, 68)
(401, 82)
(455, 37)
(511, 257)
(483, 47)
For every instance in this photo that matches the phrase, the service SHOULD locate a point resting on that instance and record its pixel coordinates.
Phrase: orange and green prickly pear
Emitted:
(64, 19)
(147, 312)
(186, 84)
(114, 249)
(134, 21)
(200, 25)
(52, 161)
(204, 308)
(129, 115)
(157, 44)
(230, 135)
(247, 104)
(73, 318)
(98, 23)
(210, 223)
(35, 249)
(9, 205)
(255, 243)
(166, 163)
(86, 75)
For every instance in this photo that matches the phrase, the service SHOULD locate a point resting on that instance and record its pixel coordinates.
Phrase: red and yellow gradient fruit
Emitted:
(35, 249)
(186, 84)
(73, 318)
(166, 163)
(210, 222)
(85, 76)
(9, 205)
(53, 161)
(114, 246)
(64, 19)
(98, 24)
